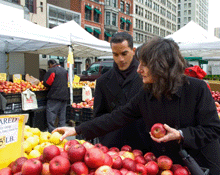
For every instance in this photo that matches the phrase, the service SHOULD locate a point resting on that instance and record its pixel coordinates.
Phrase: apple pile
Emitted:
(218, 108)
(216, 95)
(79, 157)
(85, 104)
(9, 87)
(35, 141)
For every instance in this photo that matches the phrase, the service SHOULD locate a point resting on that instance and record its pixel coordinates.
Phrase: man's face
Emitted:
(122, 54)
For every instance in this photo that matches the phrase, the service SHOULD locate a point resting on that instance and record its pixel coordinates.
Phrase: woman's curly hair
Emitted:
(166, 66)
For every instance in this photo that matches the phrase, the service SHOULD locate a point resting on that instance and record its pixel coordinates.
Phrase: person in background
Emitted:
(196, 72)
(56, 79)
(115, 88)
(183, 104)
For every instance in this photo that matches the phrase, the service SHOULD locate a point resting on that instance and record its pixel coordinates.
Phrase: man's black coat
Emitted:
(108, 97)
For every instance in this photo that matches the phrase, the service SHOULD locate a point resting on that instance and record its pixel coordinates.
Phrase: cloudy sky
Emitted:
(214, 15)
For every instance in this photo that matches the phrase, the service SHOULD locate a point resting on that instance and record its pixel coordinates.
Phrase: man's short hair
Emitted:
(52, 61)
(119, 37)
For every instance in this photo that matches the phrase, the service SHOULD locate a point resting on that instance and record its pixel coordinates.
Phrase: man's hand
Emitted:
(66, 131)
(172, 134)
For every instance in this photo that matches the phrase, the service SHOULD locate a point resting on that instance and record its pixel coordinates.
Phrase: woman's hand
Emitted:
(66, 131)
(172, 134)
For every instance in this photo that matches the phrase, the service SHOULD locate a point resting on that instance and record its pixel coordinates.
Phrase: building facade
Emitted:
(154, 18)
(193, 10)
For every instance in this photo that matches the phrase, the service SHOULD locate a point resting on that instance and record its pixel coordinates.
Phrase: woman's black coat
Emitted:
(192, 110)
(109, 96)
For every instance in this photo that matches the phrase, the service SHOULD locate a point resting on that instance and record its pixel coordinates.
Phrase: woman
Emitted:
(183, 104)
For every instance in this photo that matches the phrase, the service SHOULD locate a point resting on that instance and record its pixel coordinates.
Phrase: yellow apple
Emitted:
(27, 147)
(34, 154)
(33, 141)
(27, 134)
(55, 138)
(44, 137)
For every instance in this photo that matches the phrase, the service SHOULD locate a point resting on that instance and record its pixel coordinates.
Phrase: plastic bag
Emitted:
(29, 100)
(32, 80)
(86, 93)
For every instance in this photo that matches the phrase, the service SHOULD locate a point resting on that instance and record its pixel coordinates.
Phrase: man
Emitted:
(57, 80)
(115, 88)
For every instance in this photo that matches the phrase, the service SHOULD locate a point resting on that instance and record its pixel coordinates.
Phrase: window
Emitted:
(122, 23)
(31, 5)
(107, 35)
(148, 3)
(155, 30)
(107, 2)
(162, 22)
(113, 19)
(114, 3)
(168, 25)
(127, 26)
(96, 33)
(189, 18)
(178, 13)
(178, 27)
(189, 5)
(163, 2)
(173, 27)
(96, 15)
(14, 1)
(174, 18)
(96, 1)
(93, 69)
(162, 33)
(122, 6)
(55, 18)
(148, 27)
(189, 12)
(88, 10)
(185, 5)
(169, 4)
(179, 20)
(174, 8)
(185, 19)
(128, 9)
(168, 15)
(107, 22)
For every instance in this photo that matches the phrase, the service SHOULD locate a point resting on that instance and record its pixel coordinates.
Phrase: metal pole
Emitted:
(71, 63)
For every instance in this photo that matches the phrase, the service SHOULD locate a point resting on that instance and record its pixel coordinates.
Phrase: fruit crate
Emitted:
(12, 108)
(41, 95)
(74, 114)
(86, 114)
(12, 98)
(77, 98)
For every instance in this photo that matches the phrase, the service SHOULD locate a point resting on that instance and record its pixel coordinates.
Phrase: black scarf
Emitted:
(122, 75)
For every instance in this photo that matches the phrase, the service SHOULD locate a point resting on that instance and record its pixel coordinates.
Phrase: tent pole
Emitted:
(71, 63)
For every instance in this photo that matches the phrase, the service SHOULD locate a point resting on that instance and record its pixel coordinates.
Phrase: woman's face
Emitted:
(144, 72)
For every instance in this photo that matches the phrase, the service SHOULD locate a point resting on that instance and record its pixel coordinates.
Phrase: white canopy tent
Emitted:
(192, 33)
(20, 35)
(84, 44)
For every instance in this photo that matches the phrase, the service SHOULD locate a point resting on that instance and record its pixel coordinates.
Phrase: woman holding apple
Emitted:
(183, 104)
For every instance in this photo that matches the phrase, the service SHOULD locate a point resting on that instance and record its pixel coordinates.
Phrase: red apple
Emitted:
(46, 169)
(117, 162)
(131, 173)
(152, 168)
(108, 160)
(76, 153)
(112, 153)
(116, 172)
(64, 154)
(5, 171)
(180, 171)
(126, 148)
(129, 164)
(98, 145)
(17, 165)
(167, 172)
(164, 162)
(88, 145)
(79, 168)
(59, 165)
(175, 166)
(104, 170)
(94, 158)
(104, 149)
(123, 171)
(149, 156)
(32, 166)
(141, 169)
(18, 173)
(126, 154)
(137, 152)
(140, 159)
(158, 130)
(50, 152)
(70, 143)
(114, 149)
(10, 165)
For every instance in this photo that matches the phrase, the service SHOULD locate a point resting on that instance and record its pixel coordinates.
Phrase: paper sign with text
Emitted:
(11, 137)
